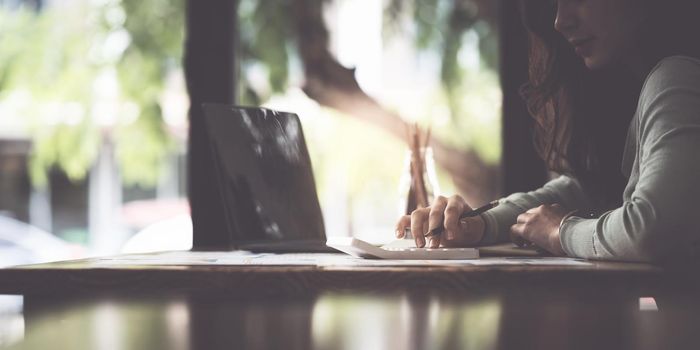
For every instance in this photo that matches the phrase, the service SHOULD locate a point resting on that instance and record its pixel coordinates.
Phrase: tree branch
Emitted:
(334, 86)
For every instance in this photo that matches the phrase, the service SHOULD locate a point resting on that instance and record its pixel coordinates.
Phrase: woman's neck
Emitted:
(639, 67)
(641, 61)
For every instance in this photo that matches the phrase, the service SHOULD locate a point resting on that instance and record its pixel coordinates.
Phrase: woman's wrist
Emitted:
(566, 216)
(484, 226)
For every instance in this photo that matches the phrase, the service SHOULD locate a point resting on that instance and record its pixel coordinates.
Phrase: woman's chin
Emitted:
(595, 63)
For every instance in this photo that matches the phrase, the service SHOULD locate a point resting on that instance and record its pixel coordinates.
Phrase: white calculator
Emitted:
(362, 249)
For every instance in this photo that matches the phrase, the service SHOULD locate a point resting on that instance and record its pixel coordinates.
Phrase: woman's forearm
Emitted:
(563, 190)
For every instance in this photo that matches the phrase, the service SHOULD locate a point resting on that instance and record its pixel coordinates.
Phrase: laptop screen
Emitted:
(264, 174)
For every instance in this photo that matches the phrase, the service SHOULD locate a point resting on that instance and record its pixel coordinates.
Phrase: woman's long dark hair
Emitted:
(581, 116)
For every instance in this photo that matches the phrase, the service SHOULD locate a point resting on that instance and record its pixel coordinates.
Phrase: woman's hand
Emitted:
(541, 226)
(457, 233)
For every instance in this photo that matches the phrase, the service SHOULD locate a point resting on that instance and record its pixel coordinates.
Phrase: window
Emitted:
(93, 121)
(93, 111)
(428, 62)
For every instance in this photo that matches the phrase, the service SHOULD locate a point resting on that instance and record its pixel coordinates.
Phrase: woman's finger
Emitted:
(436, 212)
(536, 210)
(428, 240)
(524, 217)
(456, 205)
(419, 220)
(402, 225)
(434, 241)
(518, 230)
(517, 240)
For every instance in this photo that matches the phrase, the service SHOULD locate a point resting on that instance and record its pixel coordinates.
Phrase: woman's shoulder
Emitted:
(678, 60)
(673, 83)
(673, 71)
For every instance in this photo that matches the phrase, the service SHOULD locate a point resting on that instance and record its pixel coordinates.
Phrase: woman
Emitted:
(614, 85)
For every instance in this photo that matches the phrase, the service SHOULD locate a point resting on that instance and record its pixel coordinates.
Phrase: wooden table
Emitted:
(89, 276)
(79, 304)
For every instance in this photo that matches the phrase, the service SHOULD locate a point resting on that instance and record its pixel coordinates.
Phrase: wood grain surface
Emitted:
(88, 276)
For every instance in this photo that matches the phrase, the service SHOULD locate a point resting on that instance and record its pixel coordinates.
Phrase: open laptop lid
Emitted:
(264, 174)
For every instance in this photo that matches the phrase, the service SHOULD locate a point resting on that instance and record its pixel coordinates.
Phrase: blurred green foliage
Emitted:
(55, 63)
(156, 28)
(453, 29)
(267, 38)
(446, 28)
(42, 61)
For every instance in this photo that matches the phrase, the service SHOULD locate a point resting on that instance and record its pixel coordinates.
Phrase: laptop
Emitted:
(265, 180)
(267, 187)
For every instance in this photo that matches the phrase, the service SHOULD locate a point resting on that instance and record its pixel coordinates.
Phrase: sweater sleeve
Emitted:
(658, 219)
(564, 190)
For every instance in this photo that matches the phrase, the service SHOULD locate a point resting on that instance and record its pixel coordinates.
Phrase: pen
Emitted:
(466, 214)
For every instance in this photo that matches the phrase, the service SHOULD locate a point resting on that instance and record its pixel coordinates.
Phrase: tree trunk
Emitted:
(332, 85)
(211, 77)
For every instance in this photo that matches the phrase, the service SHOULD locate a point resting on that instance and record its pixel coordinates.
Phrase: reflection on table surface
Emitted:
(537, 320)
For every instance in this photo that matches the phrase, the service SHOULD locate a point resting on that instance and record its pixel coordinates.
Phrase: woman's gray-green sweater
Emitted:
(660, 215)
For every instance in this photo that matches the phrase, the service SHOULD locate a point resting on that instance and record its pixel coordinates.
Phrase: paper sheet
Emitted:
(235, 258)
(545, 261)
